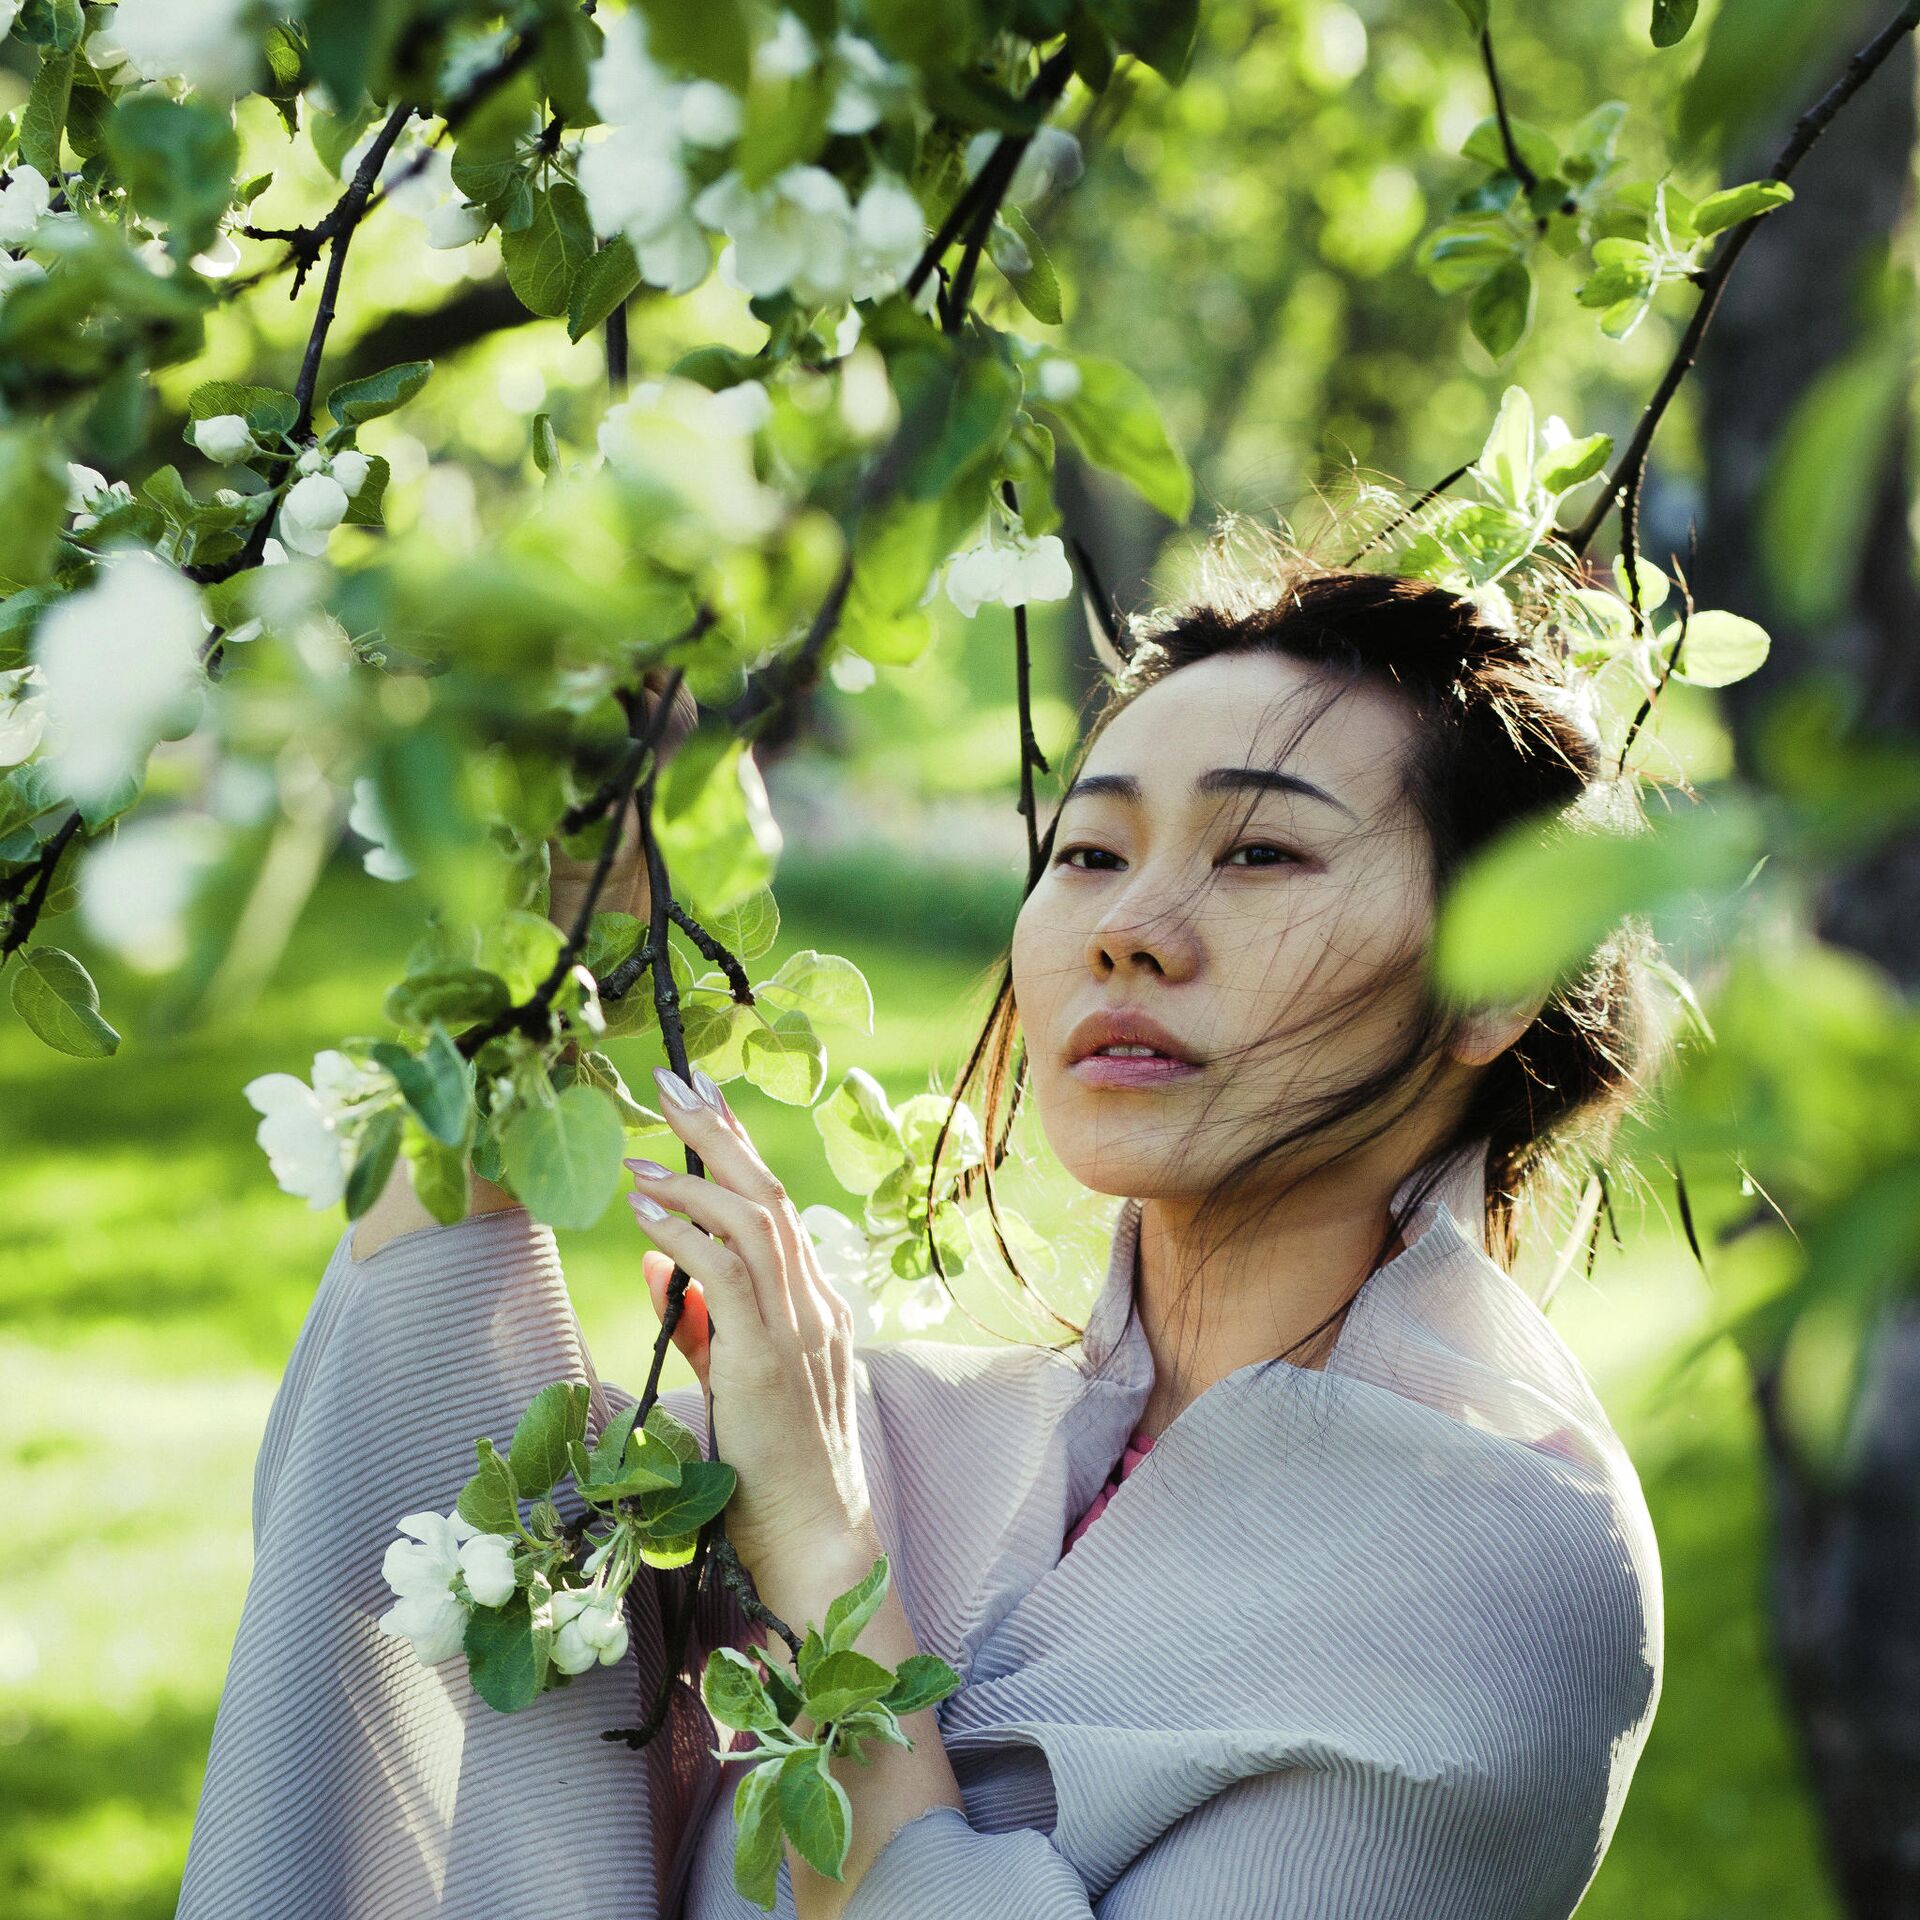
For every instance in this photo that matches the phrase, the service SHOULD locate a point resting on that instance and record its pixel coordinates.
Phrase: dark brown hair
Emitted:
(1500, 737)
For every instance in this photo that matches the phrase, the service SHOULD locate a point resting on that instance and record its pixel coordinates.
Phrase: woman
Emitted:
(1372, 1629)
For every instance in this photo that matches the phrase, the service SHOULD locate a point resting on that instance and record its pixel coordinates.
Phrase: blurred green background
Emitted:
(1247, 242)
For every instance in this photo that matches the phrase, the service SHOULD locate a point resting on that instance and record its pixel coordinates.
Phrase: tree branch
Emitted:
(1806, 135)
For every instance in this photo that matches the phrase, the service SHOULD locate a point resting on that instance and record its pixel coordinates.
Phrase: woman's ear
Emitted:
(1490, 1028)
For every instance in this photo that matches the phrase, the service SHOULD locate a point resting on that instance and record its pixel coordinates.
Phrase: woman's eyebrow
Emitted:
(1126, 786)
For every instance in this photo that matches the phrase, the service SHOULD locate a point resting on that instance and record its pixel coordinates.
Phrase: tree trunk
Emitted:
(1846, 1557)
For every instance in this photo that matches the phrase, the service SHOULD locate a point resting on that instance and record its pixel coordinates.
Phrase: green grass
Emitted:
(154, 1279)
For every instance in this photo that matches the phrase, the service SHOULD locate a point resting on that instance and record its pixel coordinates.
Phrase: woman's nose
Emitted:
(1148, 929)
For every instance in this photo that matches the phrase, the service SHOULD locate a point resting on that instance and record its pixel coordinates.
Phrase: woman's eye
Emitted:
(1281, 854)
(1064, 858)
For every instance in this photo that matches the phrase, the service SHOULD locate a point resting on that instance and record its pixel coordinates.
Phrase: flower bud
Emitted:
(589, 1627)
(224, 437)
(486, 1564)
(351, 469)
(311, 510)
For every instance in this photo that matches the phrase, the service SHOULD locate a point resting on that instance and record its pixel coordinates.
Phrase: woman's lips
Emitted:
(1131, 1070)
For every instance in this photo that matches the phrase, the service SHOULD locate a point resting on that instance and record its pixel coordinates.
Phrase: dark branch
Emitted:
(1806, 135)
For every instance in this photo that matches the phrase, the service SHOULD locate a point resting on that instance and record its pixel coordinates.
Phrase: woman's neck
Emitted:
(1210, 1305)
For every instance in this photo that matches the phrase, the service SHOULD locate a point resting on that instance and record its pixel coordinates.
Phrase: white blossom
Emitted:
(23, 200)
(456, 223)
(351, 468)
(23, 713)
(709, 115)
(206, 43)
(312, 460)
(310, 510)
(486, 1564)
(90, 498)
(224, 437)
(1052, 160)
(122, 665)
(678, 259)
(787, 52)
(851, 672)
(367, 819)
(794, 234)
(309, 1151)
(428, 1612)
(9, 12)
(633, 182)
(745, 407)
(890, 234)
(868, 83)
(1057, 380)
(589, 1626)
(137, 885)
(18, 272)
(1015, 572)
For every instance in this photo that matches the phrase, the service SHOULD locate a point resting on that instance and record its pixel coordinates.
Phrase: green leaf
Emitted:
(374, 1163)
(556, 1415)
(1732, 205)
(862, 1136)
(815, 1811)
(438, 1085)
(507, 1654)
(824, 986)
(1464, 253)
(55, 996)
(267, 410)
(713, 39)
(1114, 420)
(457, 996)
(1537, 148)
(678, 1437)
(1039, 286)
(921, 1680)
(748, 928)
(705, 1487)
(1529, 909)
(490, 1500)
(45, 115)
(440, 1178)
(544, 256)
(1501, 310)
(1672, 20)
(758, 1847)
(786, 1060)
(734, 1693)
(177, 161)
(1505, 466)
(521, 948)
(1475, 12)
(1719, 649)
(606, 279)
(844, 1681)
(356, 401)
(648, 1465)
(564, 1160)
(1159, 32)
(33, 483)
(610, 1449)
(851, 1611)
(1574, 463)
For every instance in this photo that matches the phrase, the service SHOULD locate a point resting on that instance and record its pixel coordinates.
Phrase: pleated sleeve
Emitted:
(347, 1782)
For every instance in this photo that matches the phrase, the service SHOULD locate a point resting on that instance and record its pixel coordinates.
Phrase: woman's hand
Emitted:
(775, 1356)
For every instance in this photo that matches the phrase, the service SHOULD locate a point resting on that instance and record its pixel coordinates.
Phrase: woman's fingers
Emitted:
(726, 1277)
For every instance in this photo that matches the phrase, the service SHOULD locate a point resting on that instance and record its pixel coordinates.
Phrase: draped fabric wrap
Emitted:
(1355, 1643)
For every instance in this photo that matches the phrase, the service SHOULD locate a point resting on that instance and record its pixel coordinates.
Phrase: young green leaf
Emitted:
(824, 986)
(677, 1435)
(356, 401)
(758, 1845)
(920, 1680)
(1114, 420)
(603, 282)
(1719, 649)
(55, 996)
(379, 1149)
(815, 1811)
(1501, 309)
(735, 1694)
(538, 1455)
(607, 1452)
(1732, 205)
(1672, 20)
(507, 1654)
(705, 1487)
(544, 256)
(564, 1160)
(856, 1124)
(844, 1681)
(850, 1611)
(490, 1500)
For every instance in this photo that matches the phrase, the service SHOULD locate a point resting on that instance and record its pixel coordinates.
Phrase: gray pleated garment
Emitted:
(1377, 1642)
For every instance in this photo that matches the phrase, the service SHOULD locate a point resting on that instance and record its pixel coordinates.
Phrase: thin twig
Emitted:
(1806, 135)
(1516, 161)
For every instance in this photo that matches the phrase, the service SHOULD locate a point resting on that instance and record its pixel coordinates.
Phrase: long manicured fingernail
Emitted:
(709, 1090)
(652, 1169)
(646, 1206)
(677, 1089)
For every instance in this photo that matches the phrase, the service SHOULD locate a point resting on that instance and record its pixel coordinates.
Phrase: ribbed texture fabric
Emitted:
(1138, 1447)
(1377, 1640)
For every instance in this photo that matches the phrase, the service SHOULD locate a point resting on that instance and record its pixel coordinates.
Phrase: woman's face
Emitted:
(1260, 891)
